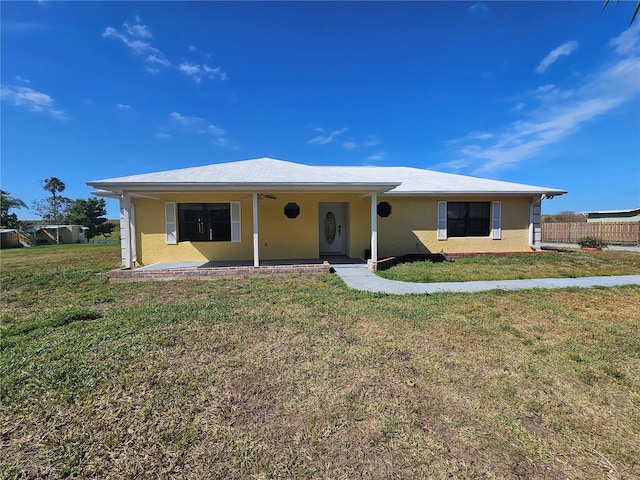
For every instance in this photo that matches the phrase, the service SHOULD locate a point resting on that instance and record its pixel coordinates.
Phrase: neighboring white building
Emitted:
(632, 215)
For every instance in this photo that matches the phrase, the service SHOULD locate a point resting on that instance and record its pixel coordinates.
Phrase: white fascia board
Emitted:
(106, 194)
(468, 193)
(242, 187)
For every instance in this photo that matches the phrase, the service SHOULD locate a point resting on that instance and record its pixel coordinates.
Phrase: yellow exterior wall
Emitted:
(279, 237)
(412, 227)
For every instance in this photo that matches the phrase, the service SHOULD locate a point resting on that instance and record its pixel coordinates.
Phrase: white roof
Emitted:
(629, 210)
(272, 174)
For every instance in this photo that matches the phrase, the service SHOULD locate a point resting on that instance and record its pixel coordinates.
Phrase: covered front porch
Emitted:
(277, 229)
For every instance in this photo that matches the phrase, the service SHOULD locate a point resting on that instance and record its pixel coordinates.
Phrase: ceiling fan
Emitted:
(262, 196)
(266, 195)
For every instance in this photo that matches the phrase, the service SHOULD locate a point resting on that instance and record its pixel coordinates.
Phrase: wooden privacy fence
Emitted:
(622, 233)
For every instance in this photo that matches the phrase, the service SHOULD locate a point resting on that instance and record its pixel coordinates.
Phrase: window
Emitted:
(468, 219)
(384, 209)
(204, 222)
(291, 210)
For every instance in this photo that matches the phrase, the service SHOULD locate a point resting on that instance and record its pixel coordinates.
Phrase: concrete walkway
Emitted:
(360, 278)
(622, 248)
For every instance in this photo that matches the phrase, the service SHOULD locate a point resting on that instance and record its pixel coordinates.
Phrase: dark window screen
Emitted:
(204, 222)
(468, 219)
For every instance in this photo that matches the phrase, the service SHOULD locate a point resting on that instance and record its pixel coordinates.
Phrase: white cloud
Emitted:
(189, 69)
(137, 37)
(185, 120)
(323, 140)
(478, 9)
(565, 49)
(137, 29)
(199, 126)
(20, 79)
(123, 106)
(137, 46)
(153, 58)
(559, 113)
(484, 136)
(351, 144)
(628, 42)
(455, 164)
(192, 48)
(377, 156)
(162, 135)
(371, 141)
(32, 100)
(215, 131)
(220, 142)
(199, 71)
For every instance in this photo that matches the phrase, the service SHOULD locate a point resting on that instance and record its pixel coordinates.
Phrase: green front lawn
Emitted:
(546, 264)
(301, 377)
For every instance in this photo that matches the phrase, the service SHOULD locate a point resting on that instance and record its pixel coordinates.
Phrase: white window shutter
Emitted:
(442, 220)
(170, 223)
(496, 230)
(236, 234)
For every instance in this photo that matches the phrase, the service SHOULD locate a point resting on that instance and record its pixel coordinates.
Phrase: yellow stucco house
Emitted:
(268, 209)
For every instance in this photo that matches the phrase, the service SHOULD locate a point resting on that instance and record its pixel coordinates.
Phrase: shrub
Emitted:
(591, 242)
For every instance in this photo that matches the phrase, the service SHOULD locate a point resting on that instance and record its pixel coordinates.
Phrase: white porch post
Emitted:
(125, 231)
(374, 231)
(535, 232)
(256, 245)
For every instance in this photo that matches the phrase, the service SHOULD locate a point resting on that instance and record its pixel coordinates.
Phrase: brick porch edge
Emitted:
(126, 275)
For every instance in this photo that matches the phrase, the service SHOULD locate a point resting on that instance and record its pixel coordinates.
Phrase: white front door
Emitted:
(332, 228)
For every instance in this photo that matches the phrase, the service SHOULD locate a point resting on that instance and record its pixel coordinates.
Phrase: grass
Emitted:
(550, 264)
(300, 377)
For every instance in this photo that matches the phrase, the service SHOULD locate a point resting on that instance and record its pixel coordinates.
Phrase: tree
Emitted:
(7, 202)
(54, 208)
(92, 214)
(54, 185)
(635, 12)
(566, 216)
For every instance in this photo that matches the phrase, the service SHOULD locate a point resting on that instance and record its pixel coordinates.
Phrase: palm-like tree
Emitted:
(7, 202)
(54, 185)
(635, 12)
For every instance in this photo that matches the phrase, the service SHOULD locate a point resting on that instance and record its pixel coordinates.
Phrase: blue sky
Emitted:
(543, 93)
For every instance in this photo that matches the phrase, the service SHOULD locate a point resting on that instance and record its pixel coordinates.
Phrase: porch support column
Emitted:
(535, 232)
(256, 259)
(374, 231)
(125, 231)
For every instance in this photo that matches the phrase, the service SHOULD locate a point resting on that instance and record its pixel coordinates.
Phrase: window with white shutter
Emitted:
(170, 223)
(442, 220)
(496, 223)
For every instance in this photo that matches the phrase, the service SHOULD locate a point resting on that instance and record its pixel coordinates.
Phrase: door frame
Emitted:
(343, 208)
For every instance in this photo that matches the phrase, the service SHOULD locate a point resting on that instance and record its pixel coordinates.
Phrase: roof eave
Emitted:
(549, 193)
(104, 188)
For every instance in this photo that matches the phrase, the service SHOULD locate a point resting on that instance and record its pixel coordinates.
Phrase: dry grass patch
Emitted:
(299, 377)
